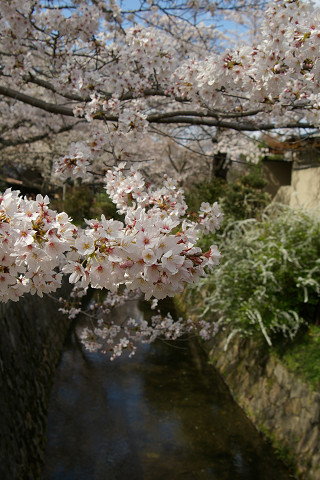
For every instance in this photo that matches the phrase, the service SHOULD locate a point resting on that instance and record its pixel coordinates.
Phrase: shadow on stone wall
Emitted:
(31, 340)
(279, 404)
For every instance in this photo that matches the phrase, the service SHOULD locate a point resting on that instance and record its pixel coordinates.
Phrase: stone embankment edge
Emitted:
(281, 406)
(32, 337)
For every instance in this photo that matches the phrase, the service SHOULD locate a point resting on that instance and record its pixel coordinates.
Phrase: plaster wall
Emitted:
(304, 190)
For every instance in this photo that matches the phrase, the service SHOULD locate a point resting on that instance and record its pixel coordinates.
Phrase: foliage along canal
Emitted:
(159, 415)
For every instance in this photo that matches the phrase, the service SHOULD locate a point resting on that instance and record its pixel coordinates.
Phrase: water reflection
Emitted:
(155, 416)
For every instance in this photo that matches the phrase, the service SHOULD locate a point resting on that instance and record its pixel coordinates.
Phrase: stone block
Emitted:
(308, 444)
(313, 407)
(270, 367)
(281, 375)
(299, 389)
(276, 395)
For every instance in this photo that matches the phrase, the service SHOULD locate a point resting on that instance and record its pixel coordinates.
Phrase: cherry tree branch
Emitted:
(4, 143)
(183, 117)
(203, 120)
(36, 102)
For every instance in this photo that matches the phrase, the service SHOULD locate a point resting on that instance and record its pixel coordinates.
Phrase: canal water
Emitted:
(159, 415)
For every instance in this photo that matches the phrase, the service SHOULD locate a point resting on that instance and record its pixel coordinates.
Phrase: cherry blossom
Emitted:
(99, 65)
(33, 241)
(113, 78)
(110, 337)
(154, 249)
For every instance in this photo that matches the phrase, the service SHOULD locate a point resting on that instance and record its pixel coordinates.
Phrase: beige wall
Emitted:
(304, 190)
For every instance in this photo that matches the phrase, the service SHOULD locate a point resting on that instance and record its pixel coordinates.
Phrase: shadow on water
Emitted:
(155, 416)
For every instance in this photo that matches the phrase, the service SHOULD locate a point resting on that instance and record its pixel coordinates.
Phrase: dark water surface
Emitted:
(155, 416)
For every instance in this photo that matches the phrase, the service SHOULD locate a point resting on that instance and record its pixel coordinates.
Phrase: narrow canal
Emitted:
(156, 416)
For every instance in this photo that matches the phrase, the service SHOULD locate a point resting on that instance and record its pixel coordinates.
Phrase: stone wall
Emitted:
(279, 404)
(31, 340)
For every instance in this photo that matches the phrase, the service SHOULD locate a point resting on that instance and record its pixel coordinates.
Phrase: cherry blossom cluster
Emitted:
(76, 163)
(273, 81)
(95, 65)
(109, 335)
(33, 241)
(277, 74)
(209, 217)
(81, 58)
(72, 306)
(154, 250)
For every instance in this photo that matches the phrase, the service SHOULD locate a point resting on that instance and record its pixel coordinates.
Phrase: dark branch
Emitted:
(36, 102)
(203, 120)
(4, 143)
(178, 117)
(43, 83)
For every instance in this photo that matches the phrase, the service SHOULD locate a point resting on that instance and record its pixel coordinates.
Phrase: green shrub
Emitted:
(303, 356)
(82, 202)
(102, 204)
(245, 197)
(239, 199)
(206, 191)
(269, 277)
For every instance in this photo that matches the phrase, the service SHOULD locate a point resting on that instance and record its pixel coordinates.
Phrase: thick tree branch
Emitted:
(240, 127)
(148, 92)
(43, 83)
(36, 102)
(183, 117)
(5, 143)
